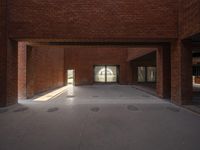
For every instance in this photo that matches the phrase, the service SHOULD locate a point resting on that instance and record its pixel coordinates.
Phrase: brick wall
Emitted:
(22, 70)
(82, 59)
(189, 22)
(93, 19)
(181, 73)
(134, 53)
(44, 69)
(3, 53)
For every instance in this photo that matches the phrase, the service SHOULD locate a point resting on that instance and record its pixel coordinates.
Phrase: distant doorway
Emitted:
(70, 77)
(106, 74)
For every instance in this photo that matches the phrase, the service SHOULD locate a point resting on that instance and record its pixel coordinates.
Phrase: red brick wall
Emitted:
(8, 62)
(93, 19)
(163, 72)
(189, 22)
(21, 70)
(45, 69)
(134, 53)
(3, 53)
(82, 59)
(181, 73)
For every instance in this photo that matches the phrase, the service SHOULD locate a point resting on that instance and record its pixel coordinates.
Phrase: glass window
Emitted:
(141, 74)
(111, 73)
(99, 72)
(105, 74)
(151, 74)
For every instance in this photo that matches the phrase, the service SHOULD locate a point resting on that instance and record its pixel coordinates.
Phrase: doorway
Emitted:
(106, 73)
(196, 76)
(70, 77)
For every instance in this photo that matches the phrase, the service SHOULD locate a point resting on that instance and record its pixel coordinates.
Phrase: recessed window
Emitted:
(105, 74)
(151, 74)
(146, 74)
(141, 74)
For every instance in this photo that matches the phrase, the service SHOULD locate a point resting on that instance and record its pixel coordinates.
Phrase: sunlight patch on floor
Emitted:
(51, 95)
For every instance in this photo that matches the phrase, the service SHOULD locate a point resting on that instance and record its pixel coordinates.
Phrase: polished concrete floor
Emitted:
(98, 118)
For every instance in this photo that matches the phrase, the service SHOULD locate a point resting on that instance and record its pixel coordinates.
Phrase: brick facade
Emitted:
(93, 19)
(141, 21)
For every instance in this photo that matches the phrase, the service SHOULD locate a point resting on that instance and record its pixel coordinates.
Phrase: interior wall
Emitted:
(45, 69)
(82, 59)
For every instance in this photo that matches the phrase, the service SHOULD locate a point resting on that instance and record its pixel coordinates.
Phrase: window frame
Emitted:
(107, 65)
(146, 75)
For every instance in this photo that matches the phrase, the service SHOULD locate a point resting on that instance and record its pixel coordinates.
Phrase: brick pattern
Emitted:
(22, 70)
(134, 53)
(93, 19)
(143, 20)
(3, 53)
(163, 72)
(82, 59)
(45, 69)
(189, 22)
(181, 73)
(11, 72)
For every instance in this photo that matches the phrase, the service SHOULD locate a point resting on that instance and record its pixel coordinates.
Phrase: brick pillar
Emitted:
(21, 70)
(8, 73)
(8, 62)
(181, 75)
(30, 72)
(129, 73)
(163, 72)
(3, 53)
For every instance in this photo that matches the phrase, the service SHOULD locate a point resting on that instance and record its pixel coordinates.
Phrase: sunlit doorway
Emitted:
(70, 77)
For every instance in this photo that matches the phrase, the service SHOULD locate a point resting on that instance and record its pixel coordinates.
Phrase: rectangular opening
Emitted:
(196, 76)
(146, 74)
(106, 73)
(151, 74)
(70, 77)
(141, 74)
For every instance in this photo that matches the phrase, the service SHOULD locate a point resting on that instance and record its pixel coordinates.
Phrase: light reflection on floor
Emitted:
(51, 95)
(70, 90)
(70, 94)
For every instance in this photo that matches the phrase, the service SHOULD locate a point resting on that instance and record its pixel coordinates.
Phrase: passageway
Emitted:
(93, 117)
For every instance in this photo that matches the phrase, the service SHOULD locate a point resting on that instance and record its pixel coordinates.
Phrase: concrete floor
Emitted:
(98, 118)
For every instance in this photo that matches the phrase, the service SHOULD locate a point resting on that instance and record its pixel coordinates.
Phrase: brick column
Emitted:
(22, 70)
(2, 74)
(30, 73)
(181, 75)
(163, 72)
(3, 53)
(8, 73)
(8, 62)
